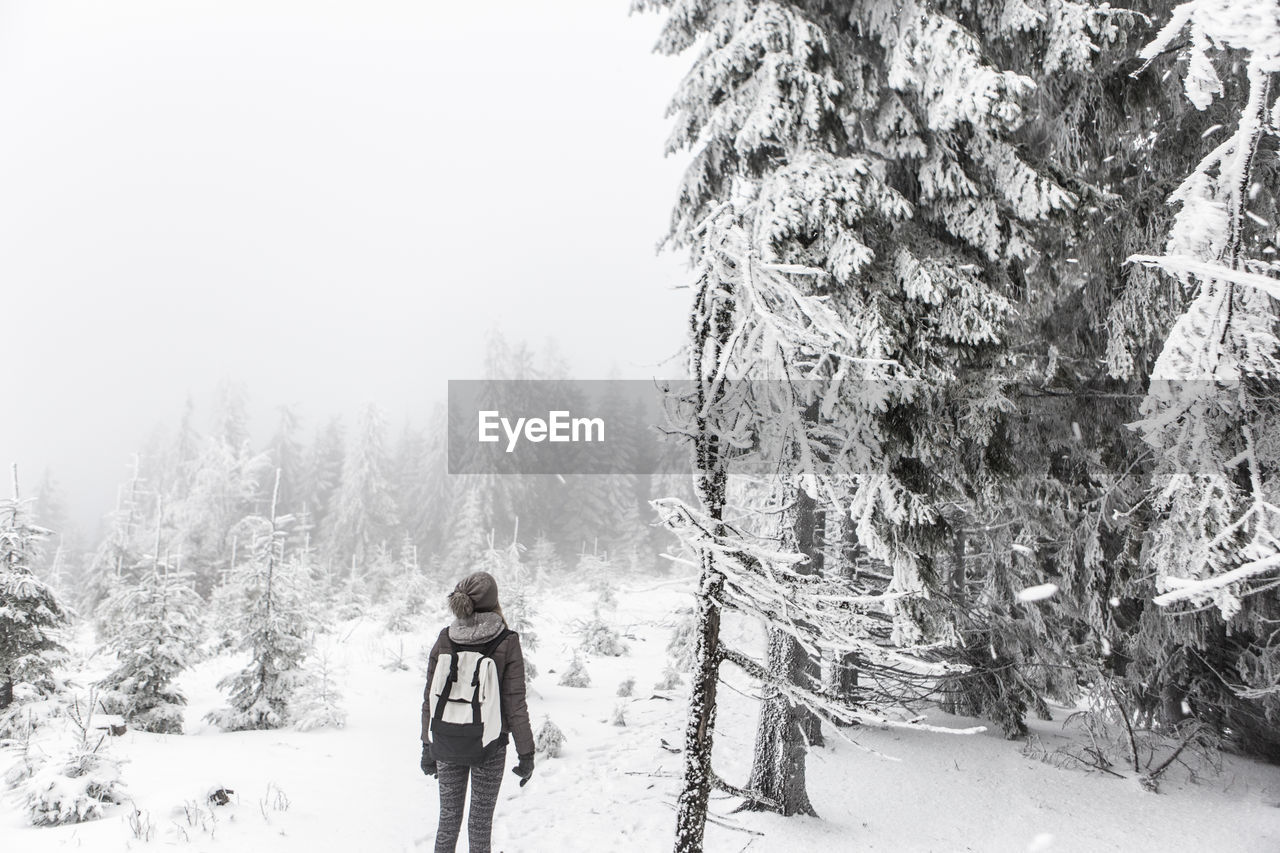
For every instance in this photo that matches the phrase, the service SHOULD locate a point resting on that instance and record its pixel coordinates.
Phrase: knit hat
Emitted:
(476, 593)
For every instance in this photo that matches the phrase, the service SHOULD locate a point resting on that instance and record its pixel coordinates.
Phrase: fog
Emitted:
(331, 202)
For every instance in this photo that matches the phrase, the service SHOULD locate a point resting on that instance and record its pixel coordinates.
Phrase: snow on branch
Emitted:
(1209, 271)
(821, 615)
(830, 708)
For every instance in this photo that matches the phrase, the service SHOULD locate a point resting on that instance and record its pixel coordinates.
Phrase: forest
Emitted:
(979, 414)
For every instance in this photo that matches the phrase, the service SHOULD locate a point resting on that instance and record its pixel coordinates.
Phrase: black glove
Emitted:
(428, 763)
(524, 769)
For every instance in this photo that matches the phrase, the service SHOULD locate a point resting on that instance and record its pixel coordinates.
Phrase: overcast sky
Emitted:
(331, 201)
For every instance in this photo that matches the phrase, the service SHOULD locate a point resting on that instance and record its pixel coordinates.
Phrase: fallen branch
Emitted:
(750, 796)
(720, 821)
(1151, 780)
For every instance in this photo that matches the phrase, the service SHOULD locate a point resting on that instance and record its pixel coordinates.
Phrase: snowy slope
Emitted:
(359, 788)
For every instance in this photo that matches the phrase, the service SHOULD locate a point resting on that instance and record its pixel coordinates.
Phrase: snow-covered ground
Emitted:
(613, 788)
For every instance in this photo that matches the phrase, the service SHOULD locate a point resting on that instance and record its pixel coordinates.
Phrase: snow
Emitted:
(1039, 592)
(613, 787)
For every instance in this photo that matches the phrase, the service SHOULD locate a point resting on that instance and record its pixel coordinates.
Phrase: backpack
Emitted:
(465, 703)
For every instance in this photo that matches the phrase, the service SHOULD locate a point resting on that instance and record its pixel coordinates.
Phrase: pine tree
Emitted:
(154, 646)
(119, 549)
(412, 590)
(50, 512)
(1211, 413)
(857, 163)
(32, 620)
(365, 517)
(285, 453)
(231, 417)
(543, 560)
(273, 626)
(469, 525)
(324, 470)
(411, 483)
(1211, 408)
(225, 486)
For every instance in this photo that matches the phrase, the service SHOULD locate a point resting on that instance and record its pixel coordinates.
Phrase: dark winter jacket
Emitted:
(471, 634)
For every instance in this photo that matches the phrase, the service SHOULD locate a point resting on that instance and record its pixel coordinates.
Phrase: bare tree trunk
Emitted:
(784, 729)
(842, 670)
(712, 325)
(778, 769)
(810, 528)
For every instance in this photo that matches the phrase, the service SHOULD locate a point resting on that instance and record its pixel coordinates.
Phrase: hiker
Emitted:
(473, 700)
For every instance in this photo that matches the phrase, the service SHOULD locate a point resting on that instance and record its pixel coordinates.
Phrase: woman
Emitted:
(478, 624)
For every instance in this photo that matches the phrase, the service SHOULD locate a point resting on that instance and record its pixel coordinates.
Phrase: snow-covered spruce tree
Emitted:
(596, 570)
(413, 487)
(867, 148)
(118, 550)
(411, 588)
(50, 512)
(154, 644)
(365, 515)
(1212, 412)
(273, 627)
(32, 620)
(323, 470)
(285, 453)
(225, 483)
(1117, 132)
(519, 611)
(469, 523)
(543, 560)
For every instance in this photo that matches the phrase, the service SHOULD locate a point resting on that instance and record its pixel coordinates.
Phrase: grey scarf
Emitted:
(476, 629)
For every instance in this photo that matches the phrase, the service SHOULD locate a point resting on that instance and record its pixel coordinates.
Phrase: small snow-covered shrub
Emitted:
(27, 755)
(274, 800)
(352, 603)
(618, 718)
(74, 790)
(684, 635)
(29, 712)
(576, 675)
(141, 825)
(600, 639)
(598, 573)
(395, 658)
(318, 704)
(79, 786)
(519, 612)
(549, 739)
(670, 679)
(414, 594)
(628, 686)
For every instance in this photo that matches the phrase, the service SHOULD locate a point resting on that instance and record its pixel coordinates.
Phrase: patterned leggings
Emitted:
(485, 780)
